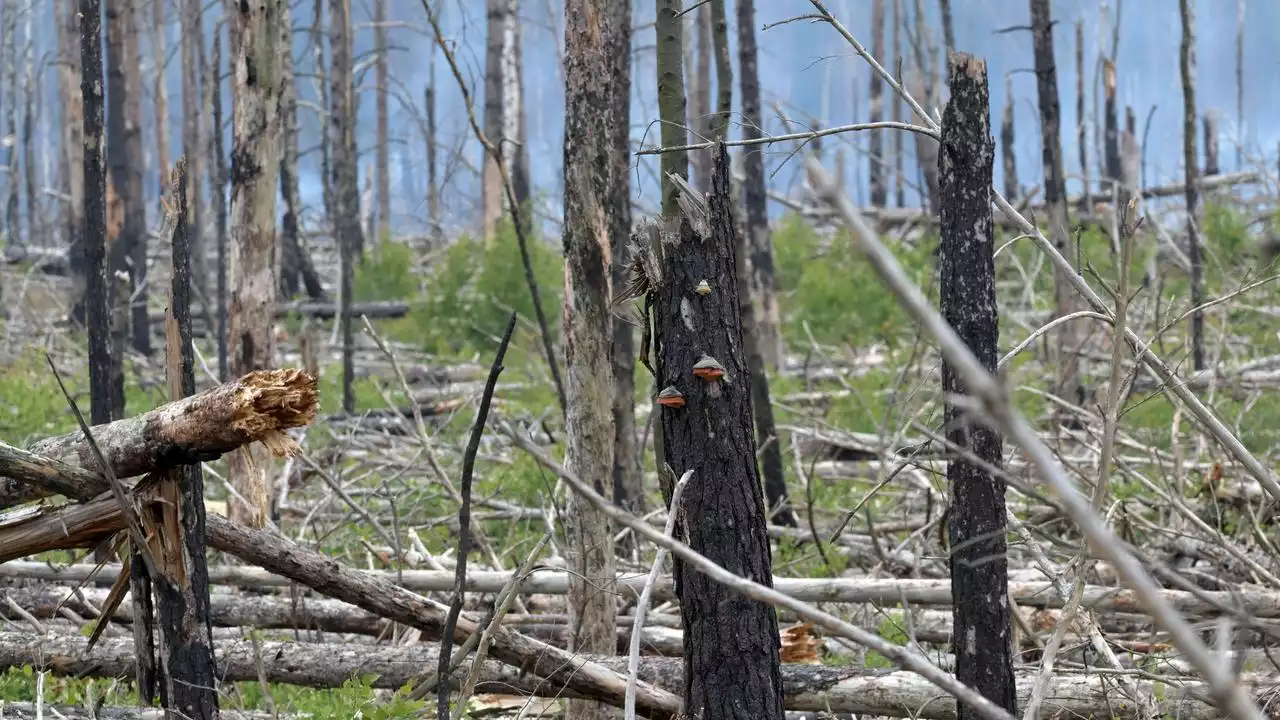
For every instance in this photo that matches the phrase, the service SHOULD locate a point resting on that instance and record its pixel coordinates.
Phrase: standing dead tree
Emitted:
(348, 235)
(295, 264)
(1067, 382)
(218, 186)
(124, 159)
(69, 83)
(981, 639)
(876, 163)
(382, 171)
(503, 116)
(731, 642)
(588, 172)
(1008, 153)
(255, 157)
(94, 232)
(157, 32)
(192, 132)
(1082, 134)
(1191, 165)
(628, 480)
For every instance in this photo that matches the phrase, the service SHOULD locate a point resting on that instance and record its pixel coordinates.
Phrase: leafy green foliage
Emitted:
(385, 274)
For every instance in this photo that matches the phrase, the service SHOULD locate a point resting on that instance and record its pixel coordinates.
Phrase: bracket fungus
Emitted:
(708, 368)
(671, 397)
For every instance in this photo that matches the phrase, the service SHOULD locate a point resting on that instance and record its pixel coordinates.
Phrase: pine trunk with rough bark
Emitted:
(628, 479)
(588, 171)
(877, 162)
(764, 282)
(1067, 383)
(1191, 164)
(93, 170)
(124, 158)
(382, 168)
(982, 637)
(255, 158)
(731, 642)
(72, 139)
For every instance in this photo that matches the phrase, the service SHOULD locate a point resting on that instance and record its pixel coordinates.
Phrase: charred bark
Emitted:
(218, 184)
(1067, 383)
(1082, 135)
(97, 312)
(628, 479)
(182, 590)
(1111, 127)
(382, 169)
(899, 177)
(731, 642)
(764, 283)
(1211, 166)
(433, 185)
(982, 638)
(588, 171)
(295, 263)
(1008, 153)
(192, 132)
(124, 157)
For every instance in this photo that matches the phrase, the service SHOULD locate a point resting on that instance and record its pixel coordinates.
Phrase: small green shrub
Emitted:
(386, 274)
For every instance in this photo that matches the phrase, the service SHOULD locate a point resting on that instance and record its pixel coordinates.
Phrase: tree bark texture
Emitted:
(982, 638)
(182, 590)
(503, 112)
(699, 87)
(671, 98)
(433, 185)
(382, 169)
(218, 178)
(69, 72)
(157, 33)
(589, 171)
(255, 252)
(1082, 134)
(31, 94)
(94, 231)
(875, 147)
(124, 158)
(731, 642)
(628, 479)
(899, 161)
(1067, 383)
(764, 283)
(1111, 127)
(1008, 152)
(1191, 165)
(297, 271)
(342, 118)
(320, 73)
(192, 132)
(1211, 166)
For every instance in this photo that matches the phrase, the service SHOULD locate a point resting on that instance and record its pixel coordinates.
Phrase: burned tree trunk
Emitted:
(1067, 383)
(182, 590)
(1082, 135)
(95, 212)
(218, 185)
(192, 122)
(731, 658)
(124, 157)
(698, 81)
(433, 185)
(69, 82)
(764, 283)
(320, 77)
(157, 33)
(982, 638)
(628, 480)
(1190, 161)
(899, 178)
(1111, 120)
(255, 157)
(346, 194)
(876, 163)
(671, 99)
(295, 263)
(382, 170)
(503, 112)
(588, 173)
(1211, 144)
(1008, 154)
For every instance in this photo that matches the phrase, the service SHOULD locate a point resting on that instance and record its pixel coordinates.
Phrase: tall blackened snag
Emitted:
(976, 518)
(731, 644)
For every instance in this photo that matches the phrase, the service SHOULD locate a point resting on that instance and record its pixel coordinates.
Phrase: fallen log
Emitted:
(805, 687)
(28, 711)
(257, 407)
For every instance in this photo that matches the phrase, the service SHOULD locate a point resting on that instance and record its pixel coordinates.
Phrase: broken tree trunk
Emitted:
(1008, 153)
(257, 407)
(982, 640)
(178, 523)
(698, 340)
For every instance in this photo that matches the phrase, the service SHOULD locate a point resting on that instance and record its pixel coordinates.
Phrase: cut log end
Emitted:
(269, 401)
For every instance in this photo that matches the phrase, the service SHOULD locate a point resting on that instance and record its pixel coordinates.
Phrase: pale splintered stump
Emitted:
(976, 518)
(731, 643)
(257, 407)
